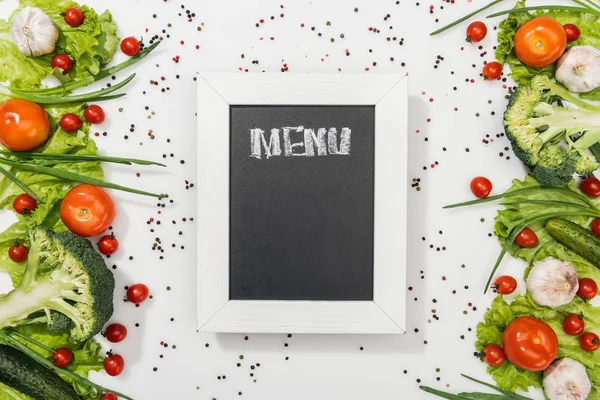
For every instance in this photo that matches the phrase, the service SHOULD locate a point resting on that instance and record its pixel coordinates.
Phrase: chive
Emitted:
(439, 393)
(60, 371)
(496, 388)
(547, 203)
(53, 99)
(515, 231)
(584, 10)
(20, 184)
(595, 149)
(93, 78)
(32, 341)
(79, 158)
(72, 177)
(458, 21)
(483, 396)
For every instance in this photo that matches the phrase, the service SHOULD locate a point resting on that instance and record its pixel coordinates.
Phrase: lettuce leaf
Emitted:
(8, 393)
(91, 45)
(590, 35)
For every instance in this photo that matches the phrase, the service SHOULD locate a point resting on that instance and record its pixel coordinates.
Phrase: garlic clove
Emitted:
(552, 282)
(34, 32)
(579, 69)
(566, 379)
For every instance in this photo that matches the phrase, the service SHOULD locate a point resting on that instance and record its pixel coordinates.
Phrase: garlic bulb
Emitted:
(34, 32)
(579, 69)
(552, 282)
(566, 379)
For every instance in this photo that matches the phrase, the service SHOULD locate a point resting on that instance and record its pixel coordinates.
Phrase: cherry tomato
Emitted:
(530, 343)
(108, 396)
(481, 187)
(572, 32)
(24, 125)
(115, 333)
(540, 42)
(74, 17)
(114, 364)
(590, 186)
(493, 355)
(137, 293)
(573, 324)
(526, 238)
(62, 357)
(108, 244)
(596, 226)
(24, 204)
(587, 289)
(17, 252)
(94, 114)
(505, 284)
(492, 71)
(130, 46)
(476, 31)
(70, 122)
(589, 341)
(63, 62)
(87, 210)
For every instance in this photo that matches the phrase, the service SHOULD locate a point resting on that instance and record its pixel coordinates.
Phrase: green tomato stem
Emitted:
(72, 177)
(48, 364)
(466, 17)
(585, 10)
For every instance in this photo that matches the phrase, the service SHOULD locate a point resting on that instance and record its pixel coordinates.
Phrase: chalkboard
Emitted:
(301, 202)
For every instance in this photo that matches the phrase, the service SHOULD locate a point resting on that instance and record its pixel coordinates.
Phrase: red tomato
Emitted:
(137, 293)
(540, 42)
(115, 333)
(572, 32)
(130, 46)
(590, 186)
(108, 244)
(573, 325)
(17, 252)
(94, 114)
(62, 357)
(481, 187)
(114, 364)
(526, 238)
(74, 17)
(87, 210)
(505, 284)
(24, 204)
(24, 125)
(108, 396)
(587, 289)
(529, 343)
(493, 355)
(63, 62)
(492, 71)
(596, 226)
(476, 31)
(589, 341)
(70, 122)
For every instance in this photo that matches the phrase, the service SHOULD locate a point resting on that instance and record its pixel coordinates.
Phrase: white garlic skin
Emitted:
(552, 282)
(566, 379)
(34, 32)
(579, 69)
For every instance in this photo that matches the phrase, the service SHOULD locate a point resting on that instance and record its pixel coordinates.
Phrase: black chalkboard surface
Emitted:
(302, 198)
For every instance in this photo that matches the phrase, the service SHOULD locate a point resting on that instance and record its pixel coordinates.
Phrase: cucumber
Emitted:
(29, 377)
(577, 238)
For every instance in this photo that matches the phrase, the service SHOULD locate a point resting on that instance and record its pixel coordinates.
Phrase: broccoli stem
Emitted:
(563, 93)
(570, 121)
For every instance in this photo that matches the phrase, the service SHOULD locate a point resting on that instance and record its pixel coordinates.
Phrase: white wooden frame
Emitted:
(386, 313)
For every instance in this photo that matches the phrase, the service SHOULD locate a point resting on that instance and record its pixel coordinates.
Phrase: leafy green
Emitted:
(589, 26)
(91, 45)
(8, 393)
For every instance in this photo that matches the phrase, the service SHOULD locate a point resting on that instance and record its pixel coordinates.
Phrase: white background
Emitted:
(319, 367)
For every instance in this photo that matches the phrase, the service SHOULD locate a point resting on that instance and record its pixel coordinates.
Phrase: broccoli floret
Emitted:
(549, 137)
(76, 293)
